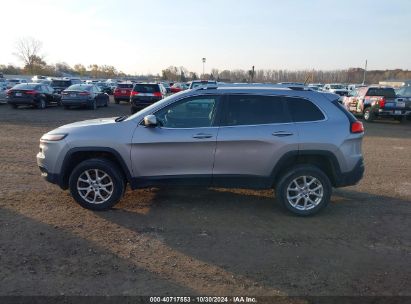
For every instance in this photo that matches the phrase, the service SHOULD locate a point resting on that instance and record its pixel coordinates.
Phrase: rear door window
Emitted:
(303, 110)
(254, 110)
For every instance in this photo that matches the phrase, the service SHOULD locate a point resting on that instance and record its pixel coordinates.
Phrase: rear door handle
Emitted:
(282, 133)
(202, 136)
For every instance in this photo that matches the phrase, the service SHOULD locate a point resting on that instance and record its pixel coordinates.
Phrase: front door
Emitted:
(181, 148)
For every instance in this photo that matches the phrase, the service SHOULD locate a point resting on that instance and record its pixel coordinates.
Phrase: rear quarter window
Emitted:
(303, 110)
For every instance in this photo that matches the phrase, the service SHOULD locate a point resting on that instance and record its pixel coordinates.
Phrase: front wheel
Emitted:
(97, 184)
(368, 115)
(304, 190)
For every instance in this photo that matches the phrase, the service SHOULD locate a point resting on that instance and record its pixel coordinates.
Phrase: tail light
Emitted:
(134, 93)
(382, 102)
(84, 93)
(32, 92)
(357, 127)
(64, 93)
(157, 94)
(8, 92)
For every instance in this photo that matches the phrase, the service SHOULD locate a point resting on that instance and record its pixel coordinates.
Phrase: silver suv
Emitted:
(299, 142)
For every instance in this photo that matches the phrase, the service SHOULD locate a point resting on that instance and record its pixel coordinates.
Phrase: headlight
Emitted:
(52, 137)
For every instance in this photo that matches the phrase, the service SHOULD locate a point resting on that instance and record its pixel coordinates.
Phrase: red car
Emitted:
(122, 92)
(177, 87)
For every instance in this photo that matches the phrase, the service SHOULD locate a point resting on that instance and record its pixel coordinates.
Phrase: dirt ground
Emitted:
(201, 241)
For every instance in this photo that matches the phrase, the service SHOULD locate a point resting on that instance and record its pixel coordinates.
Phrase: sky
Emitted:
(140, 37)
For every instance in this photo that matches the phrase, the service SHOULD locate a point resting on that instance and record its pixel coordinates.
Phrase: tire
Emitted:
(93, 105)
(66, 107)
(401, 119)
(301, 201)
(104, 199)
(116, 101)
(368, 115)
(42, 104)
(106, 104)
(14, 106)
(133, 110)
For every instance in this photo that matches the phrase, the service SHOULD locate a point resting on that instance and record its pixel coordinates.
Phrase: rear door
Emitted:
(255, 132)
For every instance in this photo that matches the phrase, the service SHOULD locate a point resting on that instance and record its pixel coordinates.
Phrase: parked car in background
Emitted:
(36, 78)
(60, 84)
(404, 96)
(178, 87)
(167, 86)
(3, 84)
(376, 101)
(197, 83)
(336, 88)
(122, 92)
(35, 94)
(84, 95)
(145, 94)
(105, 88)
(14, 81)
(258, 138)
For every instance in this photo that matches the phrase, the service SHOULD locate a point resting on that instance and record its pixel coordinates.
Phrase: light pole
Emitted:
(204, 61)
(365, 72)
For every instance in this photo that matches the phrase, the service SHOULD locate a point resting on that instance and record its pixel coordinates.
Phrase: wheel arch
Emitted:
(76, 155)
(326, 161)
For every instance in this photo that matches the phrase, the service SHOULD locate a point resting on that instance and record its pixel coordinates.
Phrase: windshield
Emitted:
(336, 86)
(26, 87)
(125, 86)
(79, 87)
(404, 92)
(146, 88)
(386, 92)
(61, 83)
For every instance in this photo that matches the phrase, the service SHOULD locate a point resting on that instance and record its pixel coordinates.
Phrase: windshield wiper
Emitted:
(121, 118)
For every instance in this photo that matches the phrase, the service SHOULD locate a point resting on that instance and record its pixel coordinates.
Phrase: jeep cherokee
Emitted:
(299, 142)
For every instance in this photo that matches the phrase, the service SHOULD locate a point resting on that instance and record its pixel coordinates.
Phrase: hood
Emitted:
(88, 123)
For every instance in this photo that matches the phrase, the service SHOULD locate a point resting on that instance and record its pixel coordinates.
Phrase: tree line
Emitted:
(28, 50)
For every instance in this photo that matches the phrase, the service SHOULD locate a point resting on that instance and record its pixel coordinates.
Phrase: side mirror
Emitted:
(150, 121)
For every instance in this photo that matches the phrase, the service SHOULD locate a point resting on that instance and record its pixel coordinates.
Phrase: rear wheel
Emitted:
(93, 105)
(116, 101)
(14, 106)
(368, 115)
(42, 104)
(106, 103)
(97, 184)
(304, 190)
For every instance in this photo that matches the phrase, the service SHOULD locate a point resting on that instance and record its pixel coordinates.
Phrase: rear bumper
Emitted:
(122, 97)
(22, 101)
(76, 102)
(352, 177)
(138, 103)
(393, 112)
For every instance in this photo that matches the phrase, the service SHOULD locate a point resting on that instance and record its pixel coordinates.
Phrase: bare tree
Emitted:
(28, 51)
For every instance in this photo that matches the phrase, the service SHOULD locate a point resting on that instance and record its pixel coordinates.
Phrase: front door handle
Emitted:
(202, 136)
(282, 133)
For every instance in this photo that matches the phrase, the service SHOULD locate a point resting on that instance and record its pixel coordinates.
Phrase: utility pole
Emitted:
(252, 74)
(204, 61)
(365, 72)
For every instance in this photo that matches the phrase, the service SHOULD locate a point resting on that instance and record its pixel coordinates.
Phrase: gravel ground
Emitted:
(201, 241)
